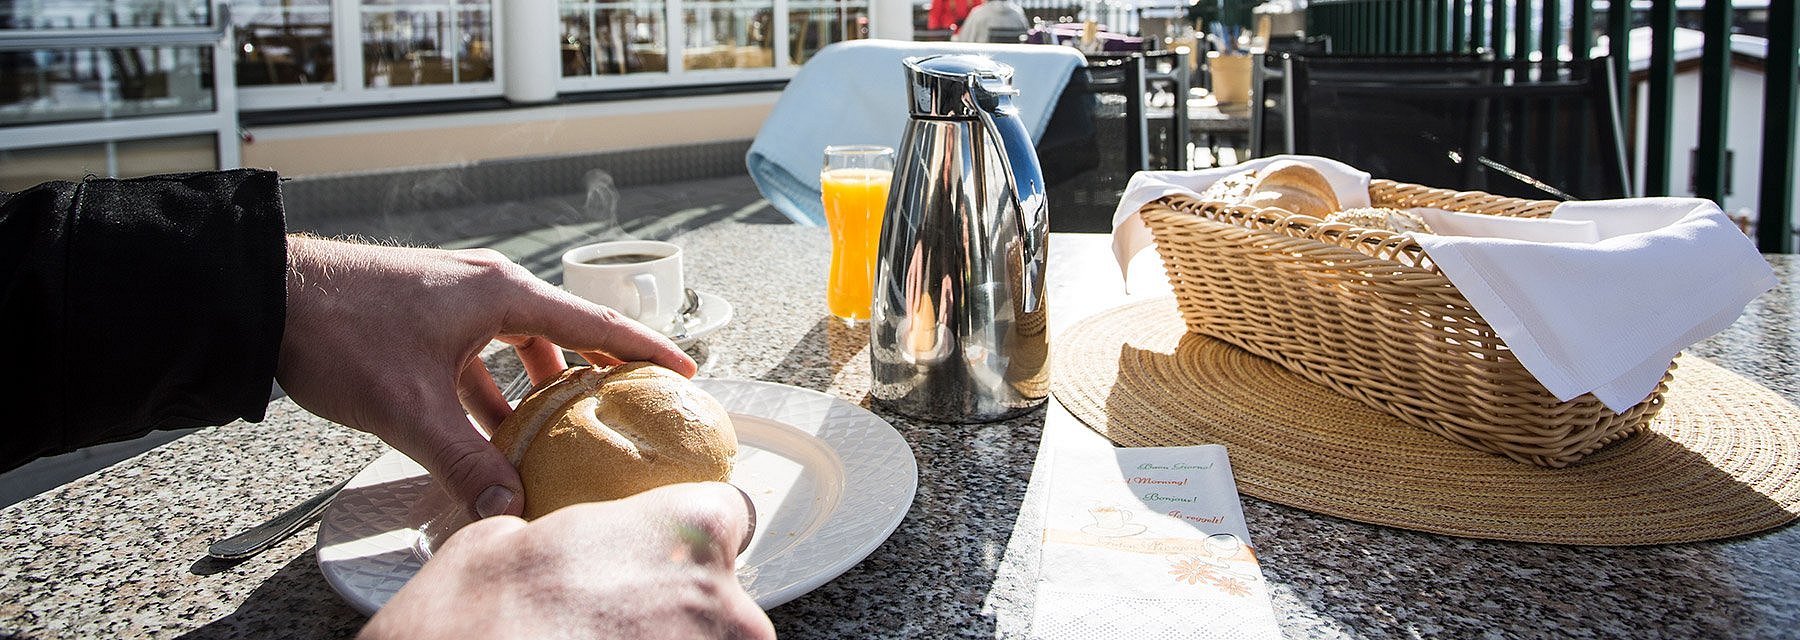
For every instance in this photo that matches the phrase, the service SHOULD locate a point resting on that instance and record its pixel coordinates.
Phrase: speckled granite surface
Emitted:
(117, 554)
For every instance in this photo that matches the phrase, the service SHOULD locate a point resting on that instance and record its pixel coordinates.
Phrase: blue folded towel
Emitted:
(855, 93)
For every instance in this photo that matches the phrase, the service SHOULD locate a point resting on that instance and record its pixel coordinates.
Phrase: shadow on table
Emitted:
(281, 607)
(821, 355)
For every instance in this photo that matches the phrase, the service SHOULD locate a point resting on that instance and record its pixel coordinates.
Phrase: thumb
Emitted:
(466, 465)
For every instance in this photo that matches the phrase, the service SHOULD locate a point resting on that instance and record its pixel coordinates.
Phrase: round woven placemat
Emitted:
(1722, 459)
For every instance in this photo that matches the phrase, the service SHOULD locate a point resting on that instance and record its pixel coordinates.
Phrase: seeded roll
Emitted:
(598, 434)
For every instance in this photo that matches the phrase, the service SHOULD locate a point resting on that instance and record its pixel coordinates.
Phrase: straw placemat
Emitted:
(1721, 460)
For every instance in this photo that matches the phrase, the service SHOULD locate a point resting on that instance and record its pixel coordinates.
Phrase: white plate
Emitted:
(830, 481)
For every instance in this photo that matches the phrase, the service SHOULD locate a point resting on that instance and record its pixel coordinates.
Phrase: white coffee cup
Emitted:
(639, 278)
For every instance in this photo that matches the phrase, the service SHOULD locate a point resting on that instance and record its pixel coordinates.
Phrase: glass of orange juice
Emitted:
(854, 185)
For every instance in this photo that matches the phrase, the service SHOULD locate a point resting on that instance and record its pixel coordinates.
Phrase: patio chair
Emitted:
(1112, 86)
(1271, 121)
(1517, 132)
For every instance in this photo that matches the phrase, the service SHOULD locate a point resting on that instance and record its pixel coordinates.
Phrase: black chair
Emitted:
(1166, 82)
(1527, 131)
(1087, 170)
(1271, 121)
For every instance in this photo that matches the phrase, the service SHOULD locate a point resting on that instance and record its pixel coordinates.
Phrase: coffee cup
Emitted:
(639, 278)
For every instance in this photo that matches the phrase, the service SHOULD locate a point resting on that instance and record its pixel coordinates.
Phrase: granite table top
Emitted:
(120, 553)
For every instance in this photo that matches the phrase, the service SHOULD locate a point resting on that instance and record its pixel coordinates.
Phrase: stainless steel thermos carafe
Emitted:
(957, 330)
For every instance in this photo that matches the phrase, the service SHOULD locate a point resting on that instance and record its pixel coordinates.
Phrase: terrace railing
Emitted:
(1533, 32)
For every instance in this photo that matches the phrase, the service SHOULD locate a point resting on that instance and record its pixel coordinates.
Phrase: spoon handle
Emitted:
(278, 528)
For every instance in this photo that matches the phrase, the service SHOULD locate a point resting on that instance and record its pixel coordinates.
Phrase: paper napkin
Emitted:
(1145, 543)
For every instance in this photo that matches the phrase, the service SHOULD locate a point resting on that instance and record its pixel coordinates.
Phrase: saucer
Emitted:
(714, 313)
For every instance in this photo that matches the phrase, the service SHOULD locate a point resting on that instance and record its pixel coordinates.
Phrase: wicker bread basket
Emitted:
(1366, 313)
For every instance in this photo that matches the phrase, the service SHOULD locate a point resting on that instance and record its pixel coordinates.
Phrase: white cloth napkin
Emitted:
(1602, 295)
(855, 93)
(1131, 236)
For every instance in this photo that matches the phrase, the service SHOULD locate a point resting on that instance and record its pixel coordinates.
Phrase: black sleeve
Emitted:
(138, 304)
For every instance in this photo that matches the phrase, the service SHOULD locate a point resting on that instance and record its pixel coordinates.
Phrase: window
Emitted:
(816, 23)
(103, 14)
(612, 38)
(300, 53)
(63, 85)
(112, 88)
(408, 44)
(68, 84)
(612, 44)
(284, 44)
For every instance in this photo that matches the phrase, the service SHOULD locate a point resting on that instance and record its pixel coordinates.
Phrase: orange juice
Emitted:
(854, 202)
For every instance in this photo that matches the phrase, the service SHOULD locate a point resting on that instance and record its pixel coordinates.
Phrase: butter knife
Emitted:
(260, 537)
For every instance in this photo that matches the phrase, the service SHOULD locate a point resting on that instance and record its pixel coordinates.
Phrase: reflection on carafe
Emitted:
(957, 330)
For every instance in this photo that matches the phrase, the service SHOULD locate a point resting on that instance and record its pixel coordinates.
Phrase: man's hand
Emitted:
(652, 566)
(388, 340)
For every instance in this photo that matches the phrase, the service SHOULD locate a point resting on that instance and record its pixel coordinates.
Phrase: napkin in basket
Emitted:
(1144, 543)
(1602, 295)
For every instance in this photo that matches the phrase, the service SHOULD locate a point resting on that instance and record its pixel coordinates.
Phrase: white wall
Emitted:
(451, 139)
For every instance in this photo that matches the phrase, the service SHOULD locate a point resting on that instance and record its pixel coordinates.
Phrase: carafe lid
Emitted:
(956, 85)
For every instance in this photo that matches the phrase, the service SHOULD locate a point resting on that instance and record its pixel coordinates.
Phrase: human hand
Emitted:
(388, 340)
(654, 565)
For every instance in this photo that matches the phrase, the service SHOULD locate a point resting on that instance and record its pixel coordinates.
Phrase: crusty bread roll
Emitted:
(1295, 187)
(1381, 218)
(606, 433)
(1286, 184)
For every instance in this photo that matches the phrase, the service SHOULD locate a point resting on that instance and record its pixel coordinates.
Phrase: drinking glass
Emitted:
(854, 186)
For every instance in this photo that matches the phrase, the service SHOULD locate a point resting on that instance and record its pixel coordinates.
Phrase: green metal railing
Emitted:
(1546, 31)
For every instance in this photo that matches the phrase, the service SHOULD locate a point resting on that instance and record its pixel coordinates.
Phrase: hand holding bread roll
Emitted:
(596, 434)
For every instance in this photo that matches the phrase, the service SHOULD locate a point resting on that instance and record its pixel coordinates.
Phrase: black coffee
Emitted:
(623, 258)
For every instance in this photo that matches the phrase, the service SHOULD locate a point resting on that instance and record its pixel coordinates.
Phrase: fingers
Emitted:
(475, 388)
(465, 464)
(713, 520)
(600, 334)
(543, 360)
(479, 534)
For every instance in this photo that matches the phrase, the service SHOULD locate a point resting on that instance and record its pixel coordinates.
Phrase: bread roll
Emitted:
(1295, 187)
(606, 433)
(1287, 184)
(1381, 218)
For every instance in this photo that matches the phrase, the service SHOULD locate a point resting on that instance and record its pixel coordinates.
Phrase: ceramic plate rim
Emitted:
(890, 447)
